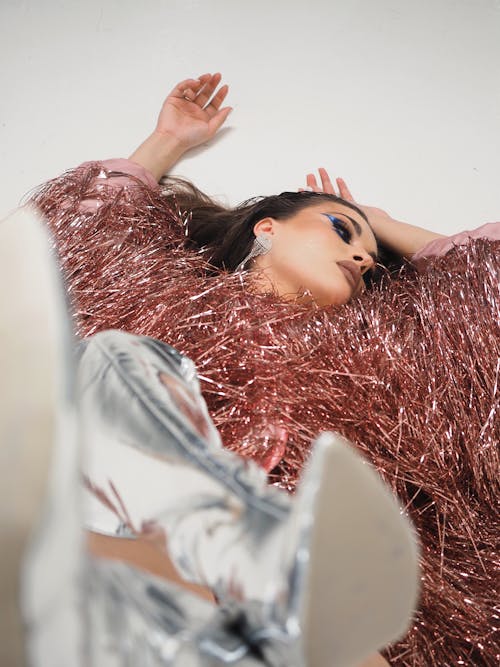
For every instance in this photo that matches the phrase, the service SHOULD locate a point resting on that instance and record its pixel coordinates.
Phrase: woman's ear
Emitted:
(264, 226)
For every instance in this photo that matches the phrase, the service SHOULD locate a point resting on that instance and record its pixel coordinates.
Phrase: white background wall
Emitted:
(400, 97)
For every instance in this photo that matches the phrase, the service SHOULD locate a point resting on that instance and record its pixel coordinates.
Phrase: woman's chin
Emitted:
(337, 297)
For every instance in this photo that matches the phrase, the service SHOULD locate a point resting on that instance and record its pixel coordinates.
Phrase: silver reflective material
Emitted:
(332, 572)
(138, 619)
(152, 443)
(262, 245)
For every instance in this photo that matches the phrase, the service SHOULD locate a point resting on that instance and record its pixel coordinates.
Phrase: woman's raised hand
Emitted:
(400, 237)
(327, 185)
(192, 113)
(374, 215)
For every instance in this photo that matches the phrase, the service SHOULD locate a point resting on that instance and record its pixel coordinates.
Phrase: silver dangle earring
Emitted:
(261, 246)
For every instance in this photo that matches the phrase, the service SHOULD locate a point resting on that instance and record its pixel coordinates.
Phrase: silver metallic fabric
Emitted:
(154, 462)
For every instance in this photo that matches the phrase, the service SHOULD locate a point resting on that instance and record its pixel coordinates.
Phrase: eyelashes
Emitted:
(340, 227)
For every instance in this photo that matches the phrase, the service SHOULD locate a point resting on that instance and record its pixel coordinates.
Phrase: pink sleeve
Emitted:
(490, 230)
(117, 173)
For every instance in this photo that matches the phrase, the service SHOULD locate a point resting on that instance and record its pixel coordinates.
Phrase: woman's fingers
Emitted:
(219, 119)
(189, 88)
(326, 183)
(208, 89)
(219, 97)
(200, 92)
(327, 186)
(344, 191)
(312, 182)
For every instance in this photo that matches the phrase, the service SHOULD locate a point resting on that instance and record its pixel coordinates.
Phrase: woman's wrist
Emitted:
(399, 236)
(158, 153)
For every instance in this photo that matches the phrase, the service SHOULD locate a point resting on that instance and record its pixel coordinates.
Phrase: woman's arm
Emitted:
(491, 231)
(190, 116)
(400, 237)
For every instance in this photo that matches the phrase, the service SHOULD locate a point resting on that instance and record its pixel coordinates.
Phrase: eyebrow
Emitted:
(359, 230)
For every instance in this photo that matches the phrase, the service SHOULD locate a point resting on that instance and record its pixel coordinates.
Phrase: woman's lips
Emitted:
(351, 272)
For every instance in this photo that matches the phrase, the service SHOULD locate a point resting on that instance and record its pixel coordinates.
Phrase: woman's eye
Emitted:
(340, 227)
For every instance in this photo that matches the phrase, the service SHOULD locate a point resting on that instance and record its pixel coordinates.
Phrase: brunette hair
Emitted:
(226, 234)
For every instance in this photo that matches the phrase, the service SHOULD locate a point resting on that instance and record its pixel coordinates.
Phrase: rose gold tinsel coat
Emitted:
(409, 373)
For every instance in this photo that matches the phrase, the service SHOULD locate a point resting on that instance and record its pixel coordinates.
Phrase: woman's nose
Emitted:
(363, 259)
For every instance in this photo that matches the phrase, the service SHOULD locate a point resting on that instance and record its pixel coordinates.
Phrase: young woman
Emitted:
(303, 260)
(191, 115)
(271, 309)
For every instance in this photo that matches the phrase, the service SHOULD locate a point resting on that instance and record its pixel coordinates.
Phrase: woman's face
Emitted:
(319, 253)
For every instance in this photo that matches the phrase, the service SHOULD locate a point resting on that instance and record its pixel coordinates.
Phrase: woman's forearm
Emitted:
(400, 237)
(158, 153)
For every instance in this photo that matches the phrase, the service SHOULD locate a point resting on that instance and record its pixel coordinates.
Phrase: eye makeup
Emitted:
(341, 227)
(344, 230)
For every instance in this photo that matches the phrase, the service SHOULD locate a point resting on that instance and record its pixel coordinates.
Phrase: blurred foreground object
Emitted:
(40, 524)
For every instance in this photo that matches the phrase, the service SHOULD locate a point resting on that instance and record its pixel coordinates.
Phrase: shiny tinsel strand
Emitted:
(409, 373)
